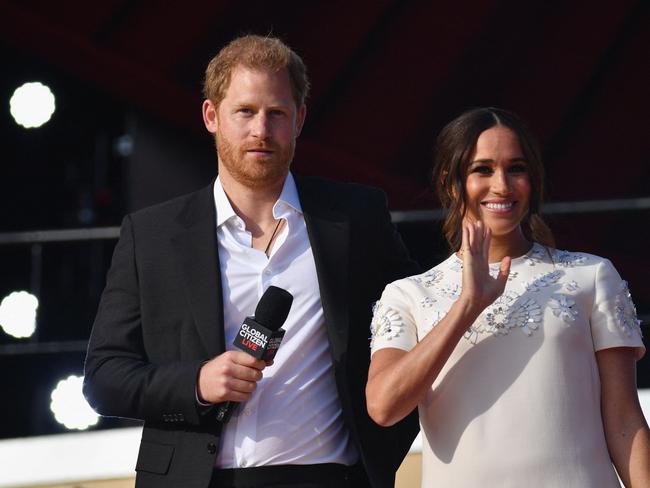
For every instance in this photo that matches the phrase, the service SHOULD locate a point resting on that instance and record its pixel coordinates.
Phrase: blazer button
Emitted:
(212, 448)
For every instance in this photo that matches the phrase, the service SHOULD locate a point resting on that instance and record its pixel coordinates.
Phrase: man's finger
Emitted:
(247, 360)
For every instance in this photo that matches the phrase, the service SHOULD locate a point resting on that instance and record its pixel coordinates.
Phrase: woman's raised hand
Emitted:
(479, 288)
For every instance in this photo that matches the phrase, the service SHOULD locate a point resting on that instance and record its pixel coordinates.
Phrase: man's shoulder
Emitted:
(342, 191)
(188, 204)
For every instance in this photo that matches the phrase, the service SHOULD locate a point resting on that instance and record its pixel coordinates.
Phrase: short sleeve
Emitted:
(613, 318)
(393, 324)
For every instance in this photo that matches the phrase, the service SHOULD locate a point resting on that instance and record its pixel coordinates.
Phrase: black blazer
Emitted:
(161, 316)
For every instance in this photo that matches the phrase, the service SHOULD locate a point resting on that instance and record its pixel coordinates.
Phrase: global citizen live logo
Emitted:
(257, 340)
(252, 338)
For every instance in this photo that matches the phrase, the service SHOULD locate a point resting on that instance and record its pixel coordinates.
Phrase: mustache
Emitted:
(263, 146)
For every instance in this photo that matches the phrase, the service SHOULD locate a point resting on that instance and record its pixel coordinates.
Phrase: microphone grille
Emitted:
(273, 308)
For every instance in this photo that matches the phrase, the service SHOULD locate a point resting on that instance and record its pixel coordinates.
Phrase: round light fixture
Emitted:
(32, 104)
(18, 314)
(69, 406)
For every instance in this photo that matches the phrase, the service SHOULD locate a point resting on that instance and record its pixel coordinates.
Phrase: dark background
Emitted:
(386, 76)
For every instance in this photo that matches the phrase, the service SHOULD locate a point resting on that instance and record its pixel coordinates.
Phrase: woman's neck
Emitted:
(514, 245)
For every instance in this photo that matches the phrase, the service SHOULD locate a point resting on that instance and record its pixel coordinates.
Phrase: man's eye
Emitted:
(277, 113)
(245, 111)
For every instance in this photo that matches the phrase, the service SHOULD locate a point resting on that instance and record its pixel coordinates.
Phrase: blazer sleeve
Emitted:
(120, 380)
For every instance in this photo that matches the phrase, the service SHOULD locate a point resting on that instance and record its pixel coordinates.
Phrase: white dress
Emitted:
(518, 402)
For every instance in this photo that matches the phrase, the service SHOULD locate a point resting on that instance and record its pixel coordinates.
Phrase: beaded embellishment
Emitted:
(625, 311)
(568, 259)
(571, 285)
(535, 255)
(527, 316)
(543, 280)
(432, 277)
(386, 322)
(427, 302)
(507, 312)
(563, 307)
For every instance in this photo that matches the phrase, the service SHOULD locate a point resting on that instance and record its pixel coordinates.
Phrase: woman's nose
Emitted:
(500, 182)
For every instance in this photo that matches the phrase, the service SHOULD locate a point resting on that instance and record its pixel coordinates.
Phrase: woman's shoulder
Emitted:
(562, 258)
(447, 269)
(444, 279)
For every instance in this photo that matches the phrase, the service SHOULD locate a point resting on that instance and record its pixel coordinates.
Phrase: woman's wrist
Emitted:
(469, 307)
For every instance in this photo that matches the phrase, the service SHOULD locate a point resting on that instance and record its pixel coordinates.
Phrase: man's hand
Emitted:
(231, 376)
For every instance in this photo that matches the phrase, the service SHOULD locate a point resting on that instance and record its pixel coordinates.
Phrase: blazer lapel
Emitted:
(198, 258)
(329, 237)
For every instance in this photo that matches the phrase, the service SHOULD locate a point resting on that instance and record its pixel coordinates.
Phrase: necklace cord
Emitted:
(268, 246)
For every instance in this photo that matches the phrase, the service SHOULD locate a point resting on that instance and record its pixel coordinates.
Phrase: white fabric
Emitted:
(518, 402)
(294, 414)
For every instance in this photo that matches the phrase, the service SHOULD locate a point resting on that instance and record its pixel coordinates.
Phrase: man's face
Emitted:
(255, 126)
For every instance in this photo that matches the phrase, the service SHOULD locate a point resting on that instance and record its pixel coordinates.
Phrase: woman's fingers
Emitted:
(464, 243)
(486, 242)
(470, 237)
(504, 270)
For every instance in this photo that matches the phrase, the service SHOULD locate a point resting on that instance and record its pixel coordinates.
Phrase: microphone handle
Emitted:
(225, 410)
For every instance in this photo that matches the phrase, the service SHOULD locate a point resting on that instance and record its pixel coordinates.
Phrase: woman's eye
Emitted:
(518, 168)
(484, 170)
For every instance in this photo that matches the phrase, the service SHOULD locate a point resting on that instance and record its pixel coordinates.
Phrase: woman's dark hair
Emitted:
(454, 148)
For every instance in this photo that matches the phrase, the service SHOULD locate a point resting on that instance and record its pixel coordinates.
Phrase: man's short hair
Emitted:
(255, 52)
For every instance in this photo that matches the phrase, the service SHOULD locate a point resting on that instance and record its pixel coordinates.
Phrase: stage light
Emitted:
(18, 314)
(69, 406)
(32, 104)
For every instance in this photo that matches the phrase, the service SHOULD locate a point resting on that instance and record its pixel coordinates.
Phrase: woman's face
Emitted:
(497, 187)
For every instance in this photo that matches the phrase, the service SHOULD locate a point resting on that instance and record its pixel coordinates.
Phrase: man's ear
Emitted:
(300, 118)
(210, 118)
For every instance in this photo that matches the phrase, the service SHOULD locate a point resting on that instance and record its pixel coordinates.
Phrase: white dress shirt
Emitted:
(294, 414)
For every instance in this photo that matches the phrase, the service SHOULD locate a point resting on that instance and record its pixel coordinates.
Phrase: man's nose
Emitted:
(261, 126)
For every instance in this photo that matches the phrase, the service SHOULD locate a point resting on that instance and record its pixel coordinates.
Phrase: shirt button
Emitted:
(244, 464)
(267, 271)
(212, 448)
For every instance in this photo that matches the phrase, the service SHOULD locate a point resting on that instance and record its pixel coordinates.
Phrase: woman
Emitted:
(510, 348)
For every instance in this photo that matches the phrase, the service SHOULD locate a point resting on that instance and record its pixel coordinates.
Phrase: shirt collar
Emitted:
(288, 197)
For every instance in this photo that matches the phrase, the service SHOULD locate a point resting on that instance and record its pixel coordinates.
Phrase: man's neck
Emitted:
(253, 205)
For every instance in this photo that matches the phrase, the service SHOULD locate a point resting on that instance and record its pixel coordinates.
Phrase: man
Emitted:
(187, 272)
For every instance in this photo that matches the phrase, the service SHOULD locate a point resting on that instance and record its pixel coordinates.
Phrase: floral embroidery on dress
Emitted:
(626, 311)
(535, 255)
(543, 280)
(563, 307)
(498, 319)
(386, 322)
(427, 302)
(507, 312)
(432, 277)
(450, 290)
(527, 316)
(571, 285)
(457, 265)
(568, 259)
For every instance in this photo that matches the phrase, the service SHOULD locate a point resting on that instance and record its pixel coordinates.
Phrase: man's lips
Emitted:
(260, 150)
